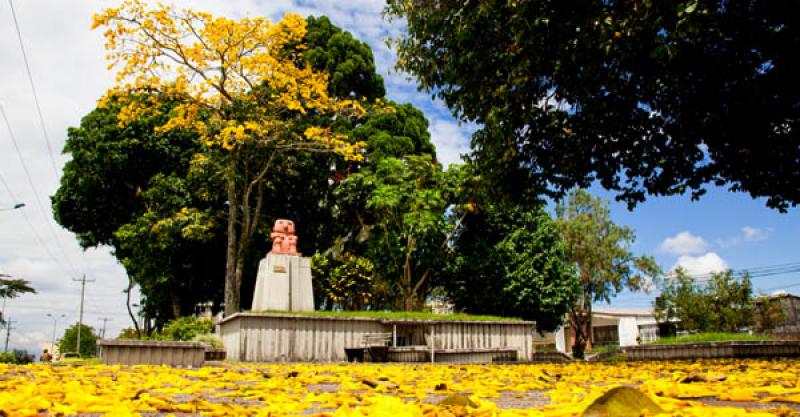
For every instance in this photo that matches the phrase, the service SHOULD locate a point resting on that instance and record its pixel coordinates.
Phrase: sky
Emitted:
(722, 230)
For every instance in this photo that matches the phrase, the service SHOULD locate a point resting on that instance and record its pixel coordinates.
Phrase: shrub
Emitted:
(18, 357)
(210, 340)
(185, 328)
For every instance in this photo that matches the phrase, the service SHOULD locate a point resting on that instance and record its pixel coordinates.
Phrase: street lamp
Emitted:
(14, 207)
(53, 345)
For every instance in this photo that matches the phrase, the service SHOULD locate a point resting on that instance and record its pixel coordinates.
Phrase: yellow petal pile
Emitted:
(704, 388)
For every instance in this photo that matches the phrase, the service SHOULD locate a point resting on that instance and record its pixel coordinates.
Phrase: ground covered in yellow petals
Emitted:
(703, 388)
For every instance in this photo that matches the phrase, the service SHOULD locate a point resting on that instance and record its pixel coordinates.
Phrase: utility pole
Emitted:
(9, 328)
(103, 333)
(83, 282)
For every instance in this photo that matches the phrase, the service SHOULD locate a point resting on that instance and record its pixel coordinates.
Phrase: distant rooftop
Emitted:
(641, 312)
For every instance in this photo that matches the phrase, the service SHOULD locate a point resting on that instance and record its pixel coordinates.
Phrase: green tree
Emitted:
(408, 231)
(647, 97)
(244, 90)
(509, 262)
(126, 186)
(348, 61)
(11, 287)
(69, 341)
(120, 182)
(600, 251)
(347, 282)
(722, 304)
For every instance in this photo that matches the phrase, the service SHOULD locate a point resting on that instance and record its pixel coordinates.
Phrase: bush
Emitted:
(128, 333)
(210, 340)
(68, 342)
(17, 357)
(185, 329)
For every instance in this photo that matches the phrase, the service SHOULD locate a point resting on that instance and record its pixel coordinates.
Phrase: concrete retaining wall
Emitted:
(714, 350)
(276, 337)
(146, 352)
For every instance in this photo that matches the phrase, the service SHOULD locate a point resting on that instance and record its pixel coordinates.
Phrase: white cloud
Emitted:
(451, 141)
(748, 234)
(701, 265)
(754, 234)
(684, 243)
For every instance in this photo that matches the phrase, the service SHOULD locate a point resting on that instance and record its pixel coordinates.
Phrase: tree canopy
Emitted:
(13, 287)
(645, 97)
(600, 251)
(146, 191)
(724, 303)
(243, 88)
(69, 341)
(509, 261)
(193, 170)
(348, 61)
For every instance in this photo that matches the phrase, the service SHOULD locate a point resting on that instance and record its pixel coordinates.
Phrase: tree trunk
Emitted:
(176, 306)
(130, 310)
(232, 282)
(581, 321)
(408, 302)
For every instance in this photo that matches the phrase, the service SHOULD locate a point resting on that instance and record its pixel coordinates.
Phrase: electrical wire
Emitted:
(38, 200)
(36, 235)
(38, 106)
(752, 273)
(796, 284)
(33, 89)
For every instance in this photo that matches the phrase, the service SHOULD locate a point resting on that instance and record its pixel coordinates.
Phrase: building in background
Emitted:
(786, 325)
(613, 327)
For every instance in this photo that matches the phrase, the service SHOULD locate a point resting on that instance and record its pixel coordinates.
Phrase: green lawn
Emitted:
(394, 315)
(604, 348)
(709, 337)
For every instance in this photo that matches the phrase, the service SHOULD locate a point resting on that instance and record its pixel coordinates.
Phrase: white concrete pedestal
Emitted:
(283, 283)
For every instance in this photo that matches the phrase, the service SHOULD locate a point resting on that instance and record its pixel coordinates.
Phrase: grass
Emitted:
(604, 348)
(394, 315)
(77, 361)
(621, 357)
(709, 337)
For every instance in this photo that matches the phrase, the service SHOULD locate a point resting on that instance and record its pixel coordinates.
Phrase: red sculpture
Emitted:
(284, 242)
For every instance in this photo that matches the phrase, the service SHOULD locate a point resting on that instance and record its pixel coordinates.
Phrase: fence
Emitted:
(287, 337)
(755, 349)
(146, 352)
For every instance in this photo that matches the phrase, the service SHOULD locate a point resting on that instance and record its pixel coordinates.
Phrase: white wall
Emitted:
(561, 340)
(628, 329)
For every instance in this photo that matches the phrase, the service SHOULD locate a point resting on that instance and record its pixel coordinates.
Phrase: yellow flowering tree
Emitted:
(243, 88)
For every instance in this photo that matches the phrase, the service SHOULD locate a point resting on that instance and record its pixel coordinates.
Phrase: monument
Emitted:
(283, 282)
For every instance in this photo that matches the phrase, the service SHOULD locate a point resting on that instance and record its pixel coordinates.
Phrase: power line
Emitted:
(752, 273)
(796, 284)
(38, 238)
(33, 89)
(56, 240)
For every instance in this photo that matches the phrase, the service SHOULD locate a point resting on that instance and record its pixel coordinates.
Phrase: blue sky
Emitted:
(67, 64)
(742, 231)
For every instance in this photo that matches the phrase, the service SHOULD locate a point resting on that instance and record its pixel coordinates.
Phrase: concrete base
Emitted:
(283, 284)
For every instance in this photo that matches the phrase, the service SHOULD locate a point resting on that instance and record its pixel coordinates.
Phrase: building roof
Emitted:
(777, 294)
(623, 312)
